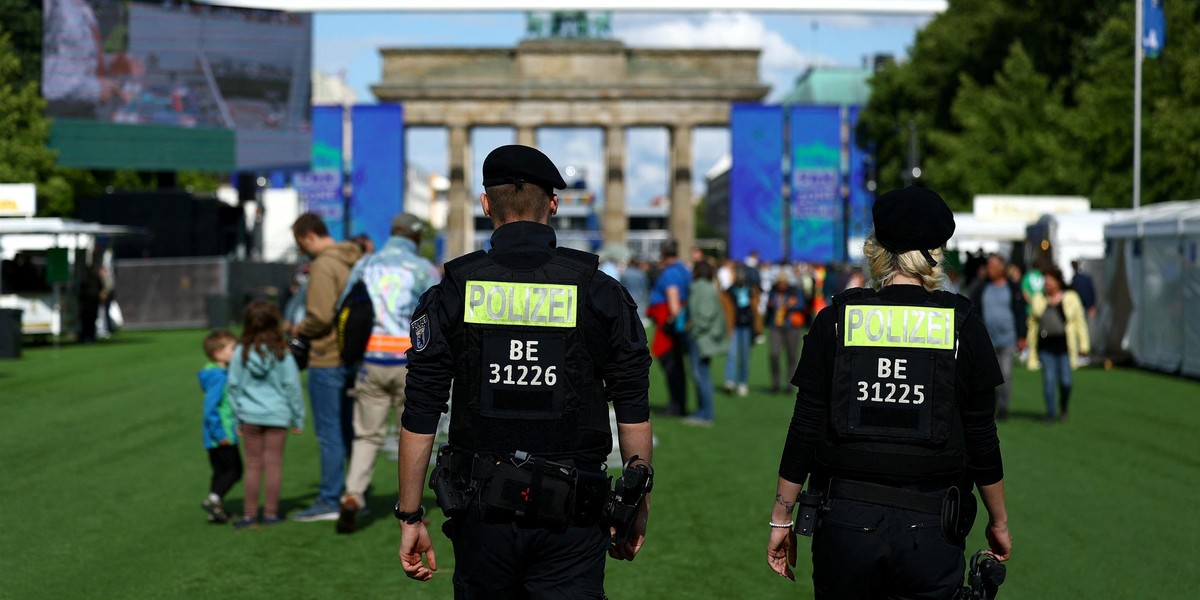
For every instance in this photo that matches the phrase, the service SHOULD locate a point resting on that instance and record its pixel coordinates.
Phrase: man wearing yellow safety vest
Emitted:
(394, 278)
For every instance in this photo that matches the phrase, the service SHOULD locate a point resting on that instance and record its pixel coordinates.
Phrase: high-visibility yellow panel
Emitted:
(899, 326)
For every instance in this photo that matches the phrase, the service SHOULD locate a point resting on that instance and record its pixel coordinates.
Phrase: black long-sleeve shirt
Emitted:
(615, 334)
(976, 372)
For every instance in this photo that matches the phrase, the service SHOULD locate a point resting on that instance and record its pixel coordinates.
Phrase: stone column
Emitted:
(615, 223)
(682, 216)
(460, 226)
(527, 135)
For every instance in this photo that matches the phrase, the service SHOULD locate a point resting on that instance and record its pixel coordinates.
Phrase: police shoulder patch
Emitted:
(419, 332)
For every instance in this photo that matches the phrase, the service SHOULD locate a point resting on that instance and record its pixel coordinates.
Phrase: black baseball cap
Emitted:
(517, 165)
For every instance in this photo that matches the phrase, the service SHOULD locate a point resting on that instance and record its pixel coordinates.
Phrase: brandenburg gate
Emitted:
(570, 82)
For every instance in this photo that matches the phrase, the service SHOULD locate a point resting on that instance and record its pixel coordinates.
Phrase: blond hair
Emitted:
(883, 265)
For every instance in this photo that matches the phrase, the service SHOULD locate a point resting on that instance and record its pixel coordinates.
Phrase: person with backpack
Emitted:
(374, 330)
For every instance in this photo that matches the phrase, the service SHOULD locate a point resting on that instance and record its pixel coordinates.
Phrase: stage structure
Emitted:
(570, 82)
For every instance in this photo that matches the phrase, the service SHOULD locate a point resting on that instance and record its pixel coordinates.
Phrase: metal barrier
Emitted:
(176, 293)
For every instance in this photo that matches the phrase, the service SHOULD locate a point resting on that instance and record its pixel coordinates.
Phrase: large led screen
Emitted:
(183, 65)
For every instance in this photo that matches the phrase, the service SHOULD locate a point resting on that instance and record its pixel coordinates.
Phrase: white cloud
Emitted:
(781, 61)
(872, 21)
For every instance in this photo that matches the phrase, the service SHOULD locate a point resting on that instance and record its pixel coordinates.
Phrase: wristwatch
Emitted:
(411, 518)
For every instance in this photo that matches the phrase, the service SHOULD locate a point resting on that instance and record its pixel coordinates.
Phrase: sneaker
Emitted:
(743, 390)
(216, 511)
(347, 520)
(697, 422)
(317, 512)
(269, 521)
(728, 387)
(245, 523)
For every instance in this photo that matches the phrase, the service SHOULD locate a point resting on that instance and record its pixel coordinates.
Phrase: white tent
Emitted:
(972, 234)
(43, 312)
(1155, 307)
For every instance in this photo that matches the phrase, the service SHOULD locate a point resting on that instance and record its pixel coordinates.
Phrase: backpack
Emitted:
(355, 321)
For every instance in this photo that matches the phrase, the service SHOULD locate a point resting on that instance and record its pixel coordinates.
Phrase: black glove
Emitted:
(299, 348)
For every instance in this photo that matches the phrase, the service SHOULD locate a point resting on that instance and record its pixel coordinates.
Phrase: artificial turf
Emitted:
(103, 473)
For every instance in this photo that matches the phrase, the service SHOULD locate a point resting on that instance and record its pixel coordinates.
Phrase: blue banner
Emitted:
(1154, 27)
(756, 182)
(861, 198)
(322, 192)
(378, 169)
(816, 203)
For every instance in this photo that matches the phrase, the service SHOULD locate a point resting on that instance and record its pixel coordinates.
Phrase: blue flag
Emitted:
(1154, 27)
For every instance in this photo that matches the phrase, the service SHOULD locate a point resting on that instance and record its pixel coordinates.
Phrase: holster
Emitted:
(451, 480)
(958, 514)
(806, 518)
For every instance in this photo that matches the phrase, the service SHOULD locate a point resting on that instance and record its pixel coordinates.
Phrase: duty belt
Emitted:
(885, 495)
(519, 487)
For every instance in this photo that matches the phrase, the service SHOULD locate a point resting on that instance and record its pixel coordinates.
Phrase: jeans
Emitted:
(333, 419)
(1004, 356)
(783, 339)
(1056, 372)
(704, 385)
(737, 364)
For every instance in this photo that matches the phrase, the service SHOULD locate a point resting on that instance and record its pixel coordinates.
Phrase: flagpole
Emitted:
(1138, 54)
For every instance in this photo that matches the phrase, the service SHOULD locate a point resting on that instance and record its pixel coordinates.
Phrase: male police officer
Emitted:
(893, 423)
(536, 341)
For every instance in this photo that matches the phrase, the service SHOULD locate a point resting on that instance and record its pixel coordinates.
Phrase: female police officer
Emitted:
(893, 423)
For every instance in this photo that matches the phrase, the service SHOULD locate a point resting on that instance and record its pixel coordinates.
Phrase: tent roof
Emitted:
(56, 226)
(968, 227)
(1163, 219)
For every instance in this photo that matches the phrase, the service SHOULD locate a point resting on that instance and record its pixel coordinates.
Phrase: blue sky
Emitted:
(790, 42)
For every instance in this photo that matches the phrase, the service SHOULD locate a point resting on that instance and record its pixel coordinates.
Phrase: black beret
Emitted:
(913, 218)
(519, 164)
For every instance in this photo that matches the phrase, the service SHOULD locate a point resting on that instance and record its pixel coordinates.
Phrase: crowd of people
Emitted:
(772, 304)
(252, 387)
(700, 308)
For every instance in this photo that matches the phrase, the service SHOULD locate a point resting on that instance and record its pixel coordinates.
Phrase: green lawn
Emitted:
(103, 473)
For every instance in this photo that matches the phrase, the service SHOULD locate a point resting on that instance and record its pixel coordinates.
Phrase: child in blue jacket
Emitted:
(220, 429)
(264, 388)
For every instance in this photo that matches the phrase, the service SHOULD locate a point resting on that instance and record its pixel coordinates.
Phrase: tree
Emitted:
(970, 42)
(25, 156)
(22, 19)
(1011, 137)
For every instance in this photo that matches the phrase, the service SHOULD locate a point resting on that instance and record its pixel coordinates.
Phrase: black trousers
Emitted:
(505, 561)
(866, 551)
(226, 468)
(672, 363)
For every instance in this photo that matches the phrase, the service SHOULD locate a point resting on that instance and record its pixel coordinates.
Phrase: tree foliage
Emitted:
(25, 156)
(22, 19)
(1029, 97)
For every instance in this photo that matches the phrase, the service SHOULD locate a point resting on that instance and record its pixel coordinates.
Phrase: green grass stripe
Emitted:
(103, 474)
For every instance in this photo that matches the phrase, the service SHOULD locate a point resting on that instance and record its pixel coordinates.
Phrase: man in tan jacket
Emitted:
(327, 378)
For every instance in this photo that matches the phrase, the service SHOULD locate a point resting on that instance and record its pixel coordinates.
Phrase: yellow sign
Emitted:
(900, 327)
(18, 200)
(526, 304)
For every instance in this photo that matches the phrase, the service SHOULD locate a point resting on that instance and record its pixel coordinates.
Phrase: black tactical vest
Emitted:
(525, 379)
(893, 411)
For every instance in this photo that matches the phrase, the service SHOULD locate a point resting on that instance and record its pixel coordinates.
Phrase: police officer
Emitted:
(536, 342)
(893, 424)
